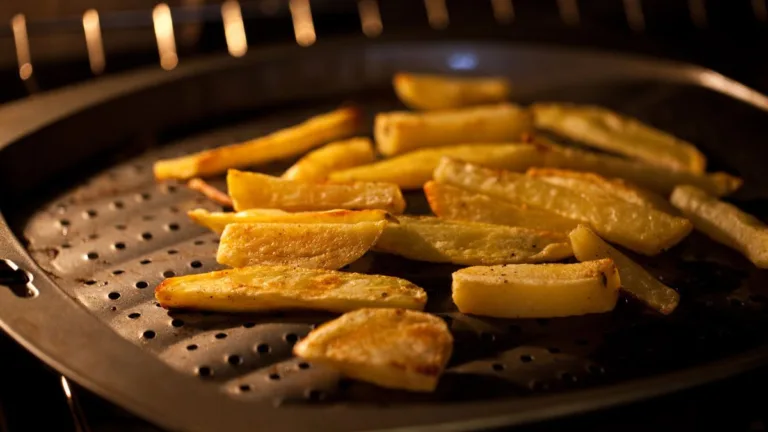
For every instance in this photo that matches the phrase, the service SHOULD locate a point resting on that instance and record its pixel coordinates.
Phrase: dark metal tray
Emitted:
(94, 234)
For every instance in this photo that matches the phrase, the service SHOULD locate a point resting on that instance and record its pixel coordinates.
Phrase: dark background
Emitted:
(731, 38)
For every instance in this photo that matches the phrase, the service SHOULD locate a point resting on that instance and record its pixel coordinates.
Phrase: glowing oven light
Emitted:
(370, 18)
(303, 27)
(166, 42)
(93, 41)
(462, 61)
(234, 29)
(21, 39)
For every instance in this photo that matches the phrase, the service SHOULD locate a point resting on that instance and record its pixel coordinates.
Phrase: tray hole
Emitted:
(93, 236)
(177, 322)
(169, 273)
(498, 367)
(173, 209)
(158, 305)
(90, 214)
(92, 256)
(526, 358)
(117, 272)
(195, 264)
(143, 196)
(118, 205)
(113, 308)
(274, 376)
(119, 246)
(303, 365)
(234, 360)
(172, 251)
(170, 188)
(141, 284)
(149, 334)
(148, 217)
(216, 241)
(64, 222)
(192, 347)
(315, 395)
(120, 227)
(90, 282)
(245, 388)
(146, 236)
(145, 261)
(199, 242)
(204, 371)
(291, 338)
(263, 348)
(554, 350)
(66, 246)
(134, 315)
(113, 295)
(249, 325)
(220, 336)
(17, 280)
(173, 226)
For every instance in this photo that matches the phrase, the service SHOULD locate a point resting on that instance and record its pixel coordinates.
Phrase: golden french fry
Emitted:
(652, 177)
(453, 203)
(216, 221)
(285, 143)
(470, 243)
(268, 288)
(210, 192)
(432, 92)
(724, 223)
(400, 132)
(315, 166)
(413, 169)
(253, 190)
(537, 290)
(641, 229)
(594, 183)
(635, 281)
(607, 130)
(392, 348)
(326, 246)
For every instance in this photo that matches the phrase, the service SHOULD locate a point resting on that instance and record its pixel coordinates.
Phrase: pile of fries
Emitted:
(508, 204)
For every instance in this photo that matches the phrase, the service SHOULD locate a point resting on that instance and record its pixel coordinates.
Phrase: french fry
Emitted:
(433, 92)
(216, 221)
(607, 130)
(413, 169)
(635, 281)
(391, 348)
(315, 166)
(269, 288)
(285, 143)
(400, 132)
(253, 190)
(210, 192)
(325, 246)
(470, 243)
(652, 177)
(724, 223)
(537, 290)
(641, 229)
(594, 183)
(453, 203)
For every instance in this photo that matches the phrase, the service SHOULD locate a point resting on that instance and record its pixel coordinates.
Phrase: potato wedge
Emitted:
(269, 288)
(453, 203)
(652, 177)
(325, 246)
(400, 132)
(253, 190)
(537, 290)
(433, 92)
(724, 223)
(602, 128)
(470, 243)
(210, 192)
(216, 221)
(413, 169)
(316, 165)
(392, 348)
(641, 229)
(635, 281)
(282, 144)
(593, 183)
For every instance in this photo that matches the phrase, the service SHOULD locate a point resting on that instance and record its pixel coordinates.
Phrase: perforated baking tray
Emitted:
(89, 234)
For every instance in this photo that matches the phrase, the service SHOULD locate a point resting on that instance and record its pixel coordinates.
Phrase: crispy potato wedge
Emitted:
(400, 132)
(325, 246)
(253, 190)
(724, 223)
(635, 281)
(433, 92)
(537, 290)
(641, 229)
(216, 221)
(652, 177)
(413, 169)
(593, 183)
(316, 165)
(269, 288)
(210, 192)
(282, 144)
(470, 243)
(392, 348)
(607, 130)
(453, 203)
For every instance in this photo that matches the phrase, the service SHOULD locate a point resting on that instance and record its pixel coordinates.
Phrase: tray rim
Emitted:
(184, 402)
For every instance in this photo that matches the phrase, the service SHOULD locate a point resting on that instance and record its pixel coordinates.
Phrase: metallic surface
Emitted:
(101, 234)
